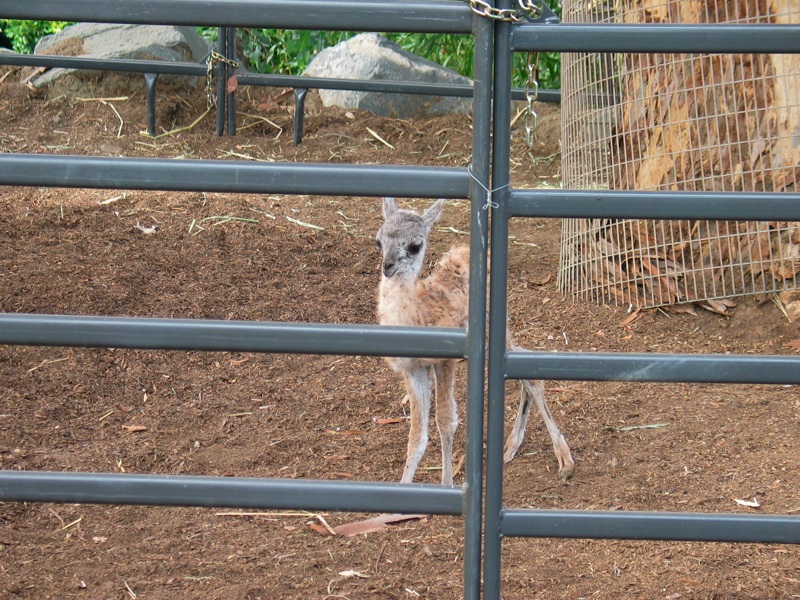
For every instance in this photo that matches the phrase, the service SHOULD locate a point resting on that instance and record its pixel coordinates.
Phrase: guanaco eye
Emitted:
(414, 248)
(378, 244)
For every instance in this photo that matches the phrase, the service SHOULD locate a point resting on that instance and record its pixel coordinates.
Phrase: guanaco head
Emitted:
(403, 238)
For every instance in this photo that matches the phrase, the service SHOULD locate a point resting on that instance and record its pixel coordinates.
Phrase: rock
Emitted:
(370, 56)
(138, 42)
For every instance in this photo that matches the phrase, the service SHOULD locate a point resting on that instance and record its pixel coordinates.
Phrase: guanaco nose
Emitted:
(389, 268)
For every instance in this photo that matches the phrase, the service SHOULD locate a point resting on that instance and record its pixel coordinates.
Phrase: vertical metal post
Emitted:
(150, 89)
(483, 31)
(498, 303)
(229, 72)
(299, 113)
(220, 70)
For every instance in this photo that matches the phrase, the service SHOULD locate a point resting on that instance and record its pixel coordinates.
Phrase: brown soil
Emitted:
(88, 252)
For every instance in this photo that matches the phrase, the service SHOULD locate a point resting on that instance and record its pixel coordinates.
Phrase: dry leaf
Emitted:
(683, 309)
(319, 529)
(282, 95)
(718, 306)
(388, 421)
(134, 428)
(344, 432)
(793, 345)
(544, 281)
(232, 84)
(322, 520)
(378, 523)
(630, 318)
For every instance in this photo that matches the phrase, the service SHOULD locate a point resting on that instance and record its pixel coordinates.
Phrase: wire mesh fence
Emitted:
(680, 122)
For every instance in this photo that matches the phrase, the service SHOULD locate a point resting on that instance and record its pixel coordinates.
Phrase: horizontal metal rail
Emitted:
(233, 176)
(233, 336)
(377, 85)
(260, 79)
(164, 67)
(663, 38)
(687, 368)
(629, 525)
(357, 85)
(421, 16)
(605, 204)
(228, 492)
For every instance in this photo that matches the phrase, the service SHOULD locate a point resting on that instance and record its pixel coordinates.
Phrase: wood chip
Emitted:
(304, 224)
(633, 427)
(749, 503)
(352, 573)
(379, 138)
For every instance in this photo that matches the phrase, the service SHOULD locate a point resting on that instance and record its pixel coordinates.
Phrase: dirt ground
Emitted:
(696, 448)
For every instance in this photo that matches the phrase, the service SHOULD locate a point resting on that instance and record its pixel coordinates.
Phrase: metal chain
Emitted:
(212, 60)
(484, 9)
(531, 94)
(531, 9)
(526, 9)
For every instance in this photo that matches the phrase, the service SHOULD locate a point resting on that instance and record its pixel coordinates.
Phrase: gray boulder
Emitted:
(370, 56)
(139, 42)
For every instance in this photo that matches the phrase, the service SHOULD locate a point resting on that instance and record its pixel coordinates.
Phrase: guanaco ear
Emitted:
(430, 216)
(389, 208)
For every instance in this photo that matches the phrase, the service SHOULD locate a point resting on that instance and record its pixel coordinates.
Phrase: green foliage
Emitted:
(280, 50)
(24, 34)
(286, 51)
(454, 51)
(290, 51)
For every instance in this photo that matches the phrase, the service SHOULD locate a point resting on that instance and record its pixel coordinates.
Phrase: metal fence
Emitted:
(441, 16)
(497, 37)
(509, 203)
(224, 64)
(668, 122)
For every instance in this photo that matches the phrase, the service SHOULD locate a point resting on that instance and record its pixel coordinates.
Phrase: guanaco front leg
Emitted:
(418, 387)
(446, 414)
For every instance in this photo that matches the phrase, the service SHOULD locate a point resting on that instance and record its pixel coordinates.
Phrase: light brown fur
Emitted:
(440, 300)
